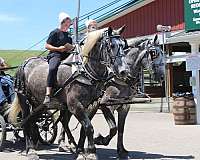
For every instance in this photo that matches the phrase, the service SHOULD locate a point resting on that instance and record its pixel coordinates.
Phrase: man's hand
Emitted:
(69, 47)
(66, 48)
(62, 49)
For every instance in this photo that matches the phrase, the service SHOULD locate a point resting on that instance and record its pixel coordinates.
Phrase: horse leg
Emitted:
(108, 112)
(31, 134)
(30, 130)
(81, 115)
(65, 118)
(91, 112)
(61, 140)
(61, 137)
(67, 130)
(109, 116)
(122, 114)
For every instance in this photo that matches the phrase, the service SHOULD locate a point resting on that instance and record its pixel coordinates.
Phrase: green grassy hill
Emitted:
(16, 57)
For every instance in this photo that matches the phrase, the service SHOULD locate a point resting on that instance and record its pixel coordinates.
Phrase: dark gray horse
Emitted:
(118, 89)
(107, 51)
(149, 56)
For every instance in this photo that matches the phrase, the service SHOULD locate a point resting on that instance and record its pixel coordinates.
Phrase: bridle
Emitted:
(106, 56)
(120, 47)
(154, 53)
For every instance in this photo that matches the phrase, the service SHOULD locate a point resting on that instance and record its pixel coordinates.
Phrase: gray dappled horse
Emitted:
(86, 88)
(118, 89)
(148, 55)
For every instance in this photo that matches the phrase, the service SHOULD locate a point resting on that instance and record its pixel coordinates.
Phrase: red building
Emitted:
(141, 18)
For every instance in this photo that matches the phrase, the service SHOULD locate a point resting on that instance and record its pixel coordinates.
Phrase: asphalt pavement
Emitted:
(149, 135)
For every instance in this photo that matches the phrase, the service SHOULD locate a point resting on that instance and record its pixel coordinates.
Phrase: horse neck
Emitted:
(136, 63)
(94, 62)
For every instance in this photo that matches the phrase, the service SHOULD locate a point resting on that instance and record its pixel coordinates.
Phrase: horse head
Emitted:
(116, 46)
(105, 47)
(148, 55)
(157, 58)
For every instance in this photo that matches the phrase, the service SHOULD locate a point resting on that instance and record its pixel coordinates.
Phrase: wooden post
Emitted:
(170, 79)
(170, 71)
(196, 73)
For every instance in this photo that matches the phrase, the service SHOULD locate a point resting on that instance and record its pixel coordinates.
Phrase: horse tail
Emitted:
(20, 87)
(19, 84)
(14, 110)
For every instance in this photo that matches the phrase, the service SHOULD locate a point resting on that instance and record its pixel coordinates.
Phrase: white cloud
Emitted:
(10, 18)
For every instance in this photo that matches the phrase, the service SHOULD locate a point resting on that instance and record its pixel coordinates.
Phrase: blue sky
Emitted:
(25, 22)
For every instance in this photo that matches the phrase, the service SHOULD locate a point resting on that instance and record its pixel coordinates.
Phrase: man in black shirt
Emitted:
(58, 51)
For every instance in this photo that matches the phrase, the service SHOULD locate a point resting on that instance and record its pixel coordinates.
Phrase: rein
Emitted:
(118, 55)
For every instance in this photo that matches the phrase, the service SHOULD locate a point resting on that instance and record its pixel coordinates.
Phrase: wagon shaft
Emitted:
(121, 102)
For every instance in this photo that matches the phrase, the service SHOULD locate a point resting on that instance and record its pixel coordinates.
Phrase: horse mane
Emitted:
(136, 42)
(90, 41)
(134, 56)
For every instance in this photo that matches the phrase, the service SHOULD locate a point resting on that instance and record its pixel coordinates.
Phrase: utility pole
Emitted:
(75, 23)
(163, 30)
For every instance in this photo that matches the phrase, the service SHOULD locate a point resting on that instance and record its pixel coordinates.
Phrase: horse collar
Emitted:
(92, 74)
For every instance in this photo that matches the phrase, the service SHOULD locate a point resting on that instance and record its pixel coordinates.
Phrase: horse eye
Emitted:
(112, 46)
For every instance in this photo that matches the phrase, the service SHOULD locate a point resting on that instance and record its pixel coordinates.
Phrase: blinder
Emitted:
(153, 53)
(106, 43)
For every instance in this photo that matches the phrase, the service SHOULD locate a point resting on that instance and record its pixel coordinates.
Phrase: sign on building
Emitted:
(192, 15)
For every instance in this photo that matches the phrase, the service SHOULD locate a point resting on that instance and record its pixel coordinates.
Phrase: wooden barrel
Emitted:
(184, 111)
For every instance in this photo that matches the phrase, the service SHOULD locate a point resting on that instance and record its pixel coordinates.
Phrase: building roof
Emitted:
(184, 36)
(118, 12)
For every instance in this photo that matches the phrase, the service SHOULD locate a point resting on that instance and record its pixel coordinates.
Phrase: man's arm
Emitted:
(55, 49)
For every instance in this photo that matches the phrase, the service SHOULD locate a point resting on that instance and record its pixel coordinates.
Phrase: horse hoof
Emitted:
(65, 148)
(32, 155)
(81, 157)
(99, 140)
(62, 149)
(72, 148)
(92, 156)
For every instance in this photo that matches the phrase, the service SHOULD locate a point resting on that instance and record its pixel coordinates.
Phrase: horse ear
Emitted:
(110, 30)
(121, 30)
(148, 43)
(155, 41)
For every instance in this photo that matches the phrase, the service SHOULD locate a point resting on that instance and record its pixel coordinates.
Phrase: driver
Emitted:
(59, 44)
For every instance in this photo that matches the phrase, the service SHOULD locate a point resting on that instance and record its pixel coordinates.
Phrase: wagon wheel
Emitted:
(47, 128)
(2, 132)
(19, 135)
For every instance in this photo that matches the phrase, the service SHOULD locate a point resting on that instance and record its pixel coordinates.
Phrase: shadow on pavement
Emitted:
(103, 154)
(108, 154)
(57, 156)
(11, 146)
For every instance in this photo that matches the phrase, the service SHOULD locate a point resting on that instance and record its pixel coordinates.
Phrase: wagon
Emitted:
(47, 126)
